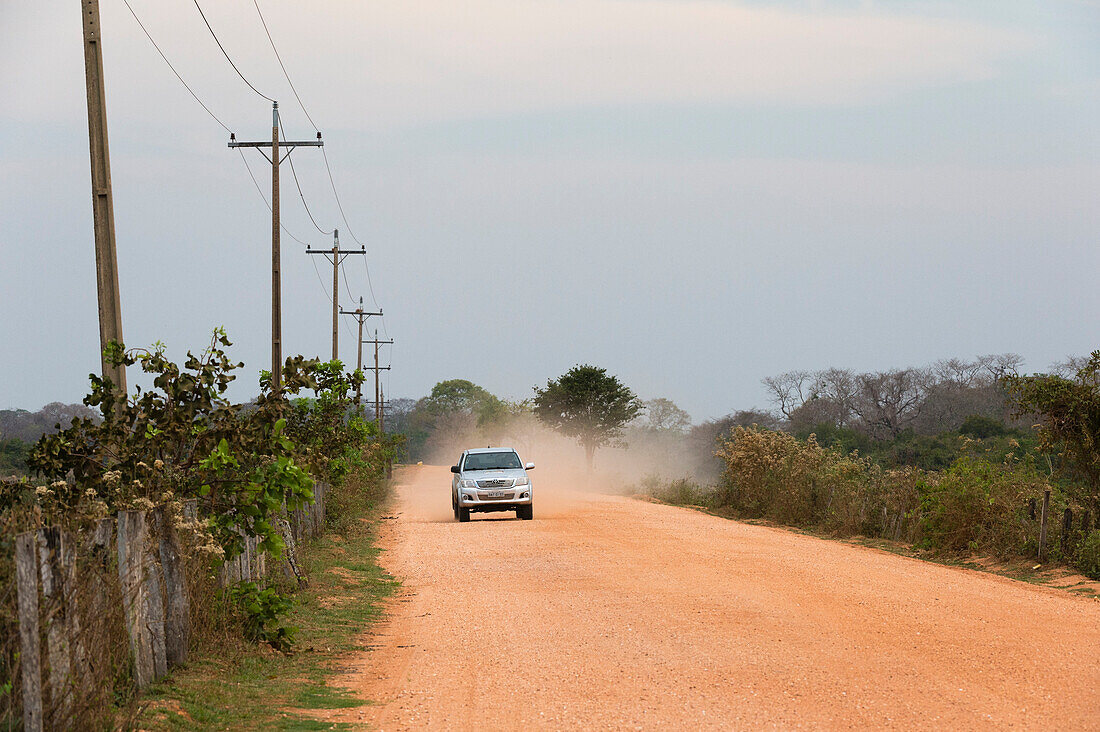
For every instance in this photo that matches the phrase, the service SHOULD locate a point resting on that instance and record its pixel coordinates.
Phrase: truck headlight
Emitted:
(523, 481)
(465, 483)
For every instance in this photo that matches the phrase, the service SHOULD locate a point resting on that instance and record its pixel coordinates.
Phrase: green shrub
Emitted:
(976, 505)
(1088, 559)
(262, 610)
(680, 492)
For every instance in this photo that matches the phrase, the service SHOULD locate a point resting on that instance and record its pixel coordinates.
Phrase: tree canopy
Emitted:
(588, 404)
(1069, 408)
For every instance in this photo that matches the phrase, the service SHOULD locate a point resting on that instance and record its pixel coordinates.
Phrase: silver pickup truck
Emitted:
(491, 479)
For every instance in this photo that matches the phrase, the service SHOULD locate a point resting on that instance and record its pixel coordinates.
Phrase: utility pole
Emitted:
(378, 384)
(103, 208)
(361, 316)
(338, 255)
(276, 278)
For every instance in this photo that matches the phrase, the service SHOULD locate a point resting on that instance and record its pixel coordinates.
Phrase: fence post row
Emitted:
(158, 625)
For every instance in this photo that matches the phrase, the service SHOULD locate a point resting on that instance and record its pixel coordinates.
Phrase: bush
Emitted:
(774, 475)
(976, 505)
(1088, 559)
(680, 492)
(262, 610)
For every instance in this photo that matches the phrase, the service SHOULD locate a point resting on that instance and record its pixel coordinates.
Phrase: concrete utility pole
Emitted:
(377, 384)
(361, 316)
(276, 257)
(338, 255)
(103, 208)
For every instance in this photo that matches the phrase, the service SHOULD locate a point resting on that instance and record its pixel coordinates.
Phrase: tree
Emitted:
(460, 395)
(587, 404)
(663, 415)
(1070, 413)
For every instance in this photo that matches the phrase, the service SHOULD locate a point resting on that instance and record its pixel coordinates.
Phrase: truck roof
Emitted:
(489, 449)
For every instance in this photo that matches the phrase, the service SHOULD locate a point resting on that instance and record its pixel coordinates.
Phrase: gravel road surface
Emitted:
(611, 613)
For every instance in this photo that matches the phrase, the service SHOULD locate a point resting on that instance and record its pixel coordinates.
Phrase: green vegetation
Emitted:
(455, 407)
(13, 456)
(976, 505)
(244, 466)
(588, 404)
(1070, 428)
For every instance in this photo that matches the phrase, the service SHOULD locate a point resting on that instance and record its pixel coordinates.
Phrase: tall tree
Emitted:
(1069, 409)
(588, 404)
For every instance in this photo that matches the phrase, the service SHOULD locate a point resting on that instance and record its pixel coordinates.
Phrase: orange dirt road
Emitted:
(611, 613)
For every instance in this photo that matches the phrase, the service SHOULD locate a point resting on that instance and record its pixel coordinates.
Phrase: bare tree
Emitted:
(889, 401)
(789, 391)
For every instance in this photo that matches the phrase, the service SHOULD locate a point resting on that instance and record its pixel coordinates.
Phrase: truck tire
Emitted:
(525, 513)
(463, 515)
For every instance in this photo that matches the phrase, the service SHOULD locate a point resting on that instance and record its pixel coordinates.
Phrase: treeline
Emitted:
(951, 457)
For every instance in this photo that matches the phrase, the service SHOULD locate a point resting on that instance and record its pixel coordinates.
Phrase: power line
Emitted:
(370, 286)
(301, 195)
(339, 205)
(264, 197)
(281, 66)
(173, 68)
(328, 166)
(215, 35)
(347, 287)
(320, 279)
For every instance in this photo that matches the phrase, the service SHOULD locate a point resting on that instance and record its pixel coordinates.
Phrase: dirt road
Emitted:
(611, 613)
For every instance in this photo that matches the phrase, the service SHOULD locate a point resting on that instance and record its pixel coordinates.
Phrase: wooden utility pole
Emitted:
(276, 158)
(336, 255)
(377, 383)
(361, 316)
(103, 209)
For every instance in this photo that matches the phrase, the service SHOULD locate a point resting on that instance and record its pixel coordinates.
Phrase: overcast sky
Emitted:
(694, 195)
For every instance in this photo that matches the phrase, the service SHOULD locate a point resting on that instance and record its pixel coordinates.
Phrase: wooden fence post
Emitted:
(49, 550)
(290, 558)
(101, 549)
(177, 615)
(141, 598)
(30, 661)
(1067, 527)
(68, 661)
(1043, 527)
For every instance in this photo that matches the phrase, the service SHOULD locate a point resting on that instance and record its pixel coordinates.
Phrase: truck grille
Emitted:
(495, 483)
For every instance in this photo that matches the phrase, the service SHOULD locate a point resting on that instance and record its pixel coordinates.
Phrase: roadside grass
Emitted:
(1051, 575)
(245, 686)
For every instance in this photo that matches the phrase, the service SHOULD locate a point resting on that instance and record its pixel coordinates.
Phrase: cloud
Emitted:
(397, 62)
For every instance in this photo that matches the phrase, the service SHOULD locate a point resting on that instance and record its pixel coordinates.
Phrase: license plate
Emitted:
(496, 494)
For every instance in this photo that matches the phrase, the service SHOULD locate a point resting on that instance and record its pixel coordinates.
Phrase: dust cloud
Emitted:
(560, 476)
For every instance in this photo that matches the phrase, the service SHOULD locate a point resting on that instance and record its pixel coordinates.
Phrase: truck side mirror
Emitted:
(454, 469)
(529, 466)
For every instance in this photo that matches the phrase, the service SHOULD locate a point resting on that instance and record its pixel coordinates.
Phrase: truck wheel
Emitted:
(463, 515)
(525, 513)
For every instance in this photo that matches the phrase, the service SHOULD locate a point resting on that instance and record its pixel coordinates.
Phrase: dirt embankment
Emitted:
(610, 613)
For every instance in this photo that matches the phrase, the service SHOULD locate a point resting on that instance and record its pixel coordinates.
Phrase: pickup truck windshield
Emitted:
(492, 461)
